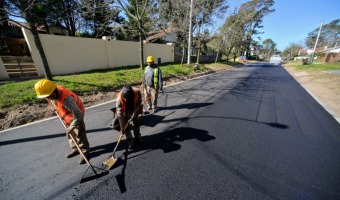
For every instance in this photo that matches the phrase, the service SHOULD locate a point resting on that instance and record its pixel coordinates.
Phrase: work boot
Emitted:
(82, 159)
(147, 109)
(139, 141)
(131, 147)
(72, 154)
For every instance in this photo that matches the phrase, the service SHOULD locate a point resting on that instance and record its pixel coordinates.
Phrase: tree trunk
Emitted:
(37, 42)
(218, 52)
(183, 55)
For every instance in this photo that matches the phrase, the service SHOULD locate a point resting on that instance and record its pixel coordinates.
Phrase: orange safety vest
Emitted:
(122, 101)
(64, 114)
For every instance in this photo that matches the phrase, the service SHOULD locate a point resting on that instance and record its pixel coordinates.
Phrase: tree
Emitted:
(329, 35)
(176, 12)
(31, 11)
(253, 12)
(240, 28)
(137, 12)
(268, 48)
(65, 13)
(232, 35)
(100, 16)
(204, 11)
(291, 51)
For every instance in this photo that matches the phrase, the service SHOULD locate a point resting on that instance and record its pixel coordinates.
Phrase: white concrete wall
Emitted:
(165, 52)
(34, 52)
(66, 55)
(3, 73)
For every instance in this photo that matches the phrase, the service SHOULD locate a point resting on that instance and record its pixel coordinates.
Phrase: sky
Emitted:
(292, 20)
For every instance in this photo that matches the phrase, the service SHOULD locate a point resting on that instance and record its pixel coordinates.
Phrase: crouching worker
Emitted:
(71, 110)
(128, 105)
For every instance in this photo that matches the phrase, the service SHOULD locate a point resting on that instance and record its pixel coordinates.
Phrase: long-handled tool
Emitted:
(85, 158)
(112, 159)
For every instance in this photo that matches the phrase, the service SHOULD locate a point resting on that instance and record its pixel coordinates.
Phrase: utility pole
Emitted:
(190, 25)
(316, 43)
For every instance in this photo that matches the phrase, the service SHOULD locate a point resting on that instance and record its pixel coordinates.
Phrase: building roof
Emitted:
(154, 35)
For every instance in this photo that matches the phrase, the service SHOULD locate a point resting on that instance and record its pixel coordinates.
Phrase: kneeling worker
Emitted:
(71, 110)
(128, 105)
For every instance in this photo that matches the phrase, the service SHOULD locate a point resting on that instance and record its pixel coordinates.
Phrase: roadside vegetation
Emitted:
(318, 66)
(15, 94)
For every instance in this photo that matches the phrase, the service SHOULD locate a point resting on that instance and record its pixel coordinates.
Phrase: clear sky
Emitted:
(294, 19)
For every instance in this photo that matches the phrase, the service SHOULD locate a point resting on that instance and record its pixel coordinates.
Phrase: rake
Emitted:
(90, 166)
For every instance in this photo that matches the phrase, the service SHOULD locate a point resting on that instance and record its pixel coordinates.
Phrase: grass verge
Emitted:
(315, 66)
(86, 83)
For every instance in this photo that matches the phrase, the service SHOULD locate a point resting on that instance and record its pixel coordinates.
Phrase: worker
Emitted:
(153, 83)
(71, 111)
(128, 106)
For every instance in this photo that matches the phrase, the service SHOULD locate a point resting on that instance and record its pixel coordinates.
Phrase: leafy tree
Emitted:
(329, 35)
(138, 12)
(203, 12)
(291, 51)
(32, 11)
(252, 12)
(65, 14)
(176, 12)
(100, 17)
(268, 48)
(6, 30)
(131, 25)
(240, 28)
(232, 35)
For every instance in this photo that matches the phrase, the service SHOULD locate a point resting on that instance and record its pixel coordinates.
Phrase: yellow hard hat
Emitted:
(44, 88)
(149, 59)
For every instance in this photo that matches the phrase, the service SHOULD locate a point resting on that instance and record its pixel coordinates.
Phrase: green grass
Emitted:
(17, 93)
(315, 66)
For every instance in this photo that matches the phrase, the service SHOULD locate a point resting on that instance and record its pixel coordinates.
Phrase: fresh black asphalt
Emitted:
(247, 133)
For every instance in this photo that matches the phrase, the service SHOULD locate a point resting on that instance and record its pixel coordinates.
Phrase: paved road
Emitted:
(246, 133)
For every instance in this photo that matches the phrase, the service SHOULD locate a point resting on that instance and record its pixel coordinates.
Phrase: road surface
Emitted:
(248, 133)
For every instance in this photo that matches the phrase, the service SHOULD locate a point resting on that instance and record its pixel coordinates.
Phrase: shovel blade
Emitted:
(110, 162)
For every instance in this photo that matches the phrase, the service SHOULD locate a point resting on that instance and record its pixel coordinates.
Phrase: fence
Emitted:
(19, 66)
(68, 55)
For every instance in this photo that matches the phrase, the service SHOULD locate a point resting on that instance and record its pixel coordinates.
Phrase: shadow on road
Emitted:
(167, 141)
(46, 137)
(186, 106)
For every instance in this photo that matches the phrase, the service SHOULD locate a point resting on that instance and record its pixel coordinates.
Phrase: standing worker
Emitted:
(154, 83)
(71, 111)
(128, 105)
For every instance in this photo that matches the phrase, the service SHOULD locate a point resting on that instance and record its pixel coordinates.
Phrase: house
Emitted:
(162, 36)
(330, 55)
(307, 53)
(12, 42)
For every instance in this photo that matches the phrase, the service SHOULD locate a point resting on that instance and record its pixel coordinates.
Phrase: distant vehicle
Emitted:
(276, 60)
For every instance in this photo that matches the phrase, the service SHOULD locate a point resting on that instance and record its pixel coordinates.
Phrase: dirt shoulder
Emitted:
(324, 87)
(31, 113)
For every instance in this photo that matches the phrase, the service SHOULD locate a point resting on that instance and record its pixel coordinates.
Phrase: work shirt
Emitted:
(157, 81)
(70, 104)
(120, 113)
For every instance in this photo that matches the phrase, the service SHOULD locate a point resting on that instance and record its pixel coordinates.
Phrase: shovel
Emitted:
(96, 175)
(112, 160)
